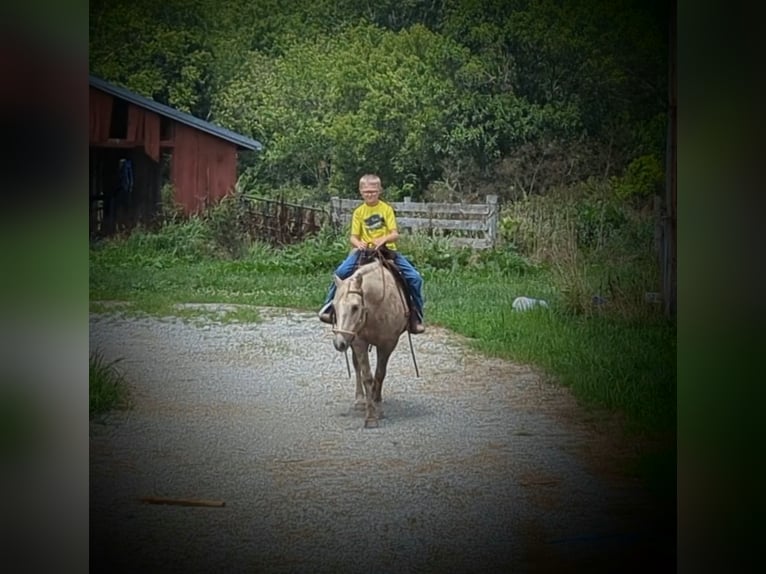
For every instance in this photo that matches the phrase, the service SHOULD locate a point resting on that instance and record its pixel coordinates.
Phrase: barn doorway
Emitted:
(124, 190)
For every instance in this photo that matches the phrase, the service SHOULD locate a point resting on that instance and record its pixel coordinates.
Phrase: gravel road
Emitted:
(478, 465)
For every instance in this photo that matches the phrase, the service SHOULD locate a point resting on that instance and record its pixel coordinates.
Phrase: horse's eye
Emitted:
(354, 308)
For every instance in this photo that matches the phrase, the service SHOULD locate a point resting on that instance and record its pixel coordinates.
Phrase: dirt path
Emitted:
(478, 466)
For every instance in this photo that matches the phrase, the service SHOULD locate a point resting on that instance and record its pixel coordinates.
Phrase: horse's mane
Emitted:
(367, 268)
(374, 260)
(373, 270)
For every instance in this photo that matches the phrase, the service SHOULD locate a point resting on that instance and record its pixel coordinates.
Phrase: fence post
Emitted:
(335, 211)
(492, 218)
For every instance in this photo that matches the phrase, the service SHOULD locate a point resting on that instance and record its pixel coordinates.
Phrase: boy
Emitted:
(374, 224)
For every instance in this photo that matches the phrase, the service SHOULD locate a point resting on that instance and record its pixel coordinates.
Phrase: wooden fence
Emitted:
(464, 224)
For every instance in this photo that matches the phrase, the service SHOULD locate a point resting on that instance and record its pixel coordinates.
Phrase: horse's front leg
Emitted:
(359, 401)
(362, 366)
(383, 354)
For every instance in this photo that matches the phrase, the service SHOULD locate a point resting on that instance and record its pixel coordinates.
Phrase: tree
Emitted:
(368, 99)
(538, 91)
(159, 50)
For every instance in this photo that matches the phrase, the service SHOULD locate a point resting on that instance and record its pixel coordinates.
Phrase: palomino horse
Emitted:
(370, 310)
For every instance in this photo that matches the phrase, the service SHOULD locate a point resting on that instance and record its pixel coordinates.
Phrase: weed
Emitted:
(106, 385)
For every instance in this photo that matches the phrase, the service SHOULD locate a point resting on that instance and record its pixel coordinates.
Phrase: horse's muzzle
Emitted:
(343, 338)
(340, 342)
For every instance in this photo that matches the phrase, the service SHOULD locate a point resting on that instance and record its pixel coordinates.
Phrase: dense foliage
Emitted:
(444, 98)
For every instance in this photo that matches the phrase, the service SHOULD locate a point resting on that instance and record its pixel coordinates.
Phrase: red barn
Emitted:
(137, 145)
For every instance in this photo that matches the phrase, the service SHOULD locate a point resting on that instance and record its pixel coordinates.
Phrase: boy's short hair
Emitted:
(370, 178)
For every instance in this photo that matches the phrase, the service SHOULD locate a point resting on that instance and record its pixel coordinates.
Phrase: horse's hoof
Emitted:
(371, 424)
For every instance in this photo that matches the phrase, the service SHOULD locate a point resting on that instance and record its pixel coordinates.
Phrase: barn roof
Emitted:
(188, 119)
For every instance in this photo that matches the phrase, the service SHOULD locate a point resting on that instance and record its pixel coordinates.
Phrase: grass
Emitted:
(106, 386)
(160, 281)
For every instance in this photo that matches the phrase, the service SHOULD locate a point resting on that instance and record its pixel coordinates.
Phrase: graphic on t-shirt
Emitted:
(375, 221)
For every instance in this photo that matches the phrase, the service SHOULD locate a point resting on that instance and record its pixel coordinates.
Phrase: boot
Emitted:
(327, 314)
(416, 324)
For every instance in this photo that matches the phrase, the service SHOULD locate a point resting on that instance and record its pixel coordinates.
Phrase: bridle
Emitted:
(362, 319)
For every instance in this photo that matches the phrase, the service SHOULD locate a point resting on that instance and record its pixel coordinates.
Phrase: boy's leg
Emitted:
(415, 283)
(344, 271)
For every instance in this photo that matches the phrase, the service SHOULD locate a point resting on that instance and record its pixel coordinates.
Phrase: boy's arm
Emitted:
(393, 232)
(356, 242)
(356, 231)
(392, 236)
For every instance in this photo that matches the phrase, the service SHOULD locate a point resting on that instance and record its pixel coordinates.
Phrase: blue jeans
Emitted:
(410, 274)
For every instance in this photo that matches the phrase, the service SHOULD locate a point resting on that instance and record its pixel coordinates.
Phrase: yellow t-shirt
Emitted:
(371, 222)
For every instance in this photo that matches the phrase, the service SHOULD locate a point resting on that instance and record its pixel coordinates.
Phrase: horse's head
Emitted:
(350, 314)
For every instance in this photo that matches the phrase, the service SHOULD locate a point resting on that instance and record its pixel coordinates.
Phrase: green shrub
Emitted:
(226, 225)
(643, 178)
(186, 239)
(106, 385)
(598, 220)
(170, 209)
(505, 261)
(431, 252)
(598, 246)
(321, 252)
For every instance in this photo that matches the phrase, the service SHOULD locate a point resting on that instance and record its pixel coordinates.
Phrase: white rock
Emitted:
(527, 303)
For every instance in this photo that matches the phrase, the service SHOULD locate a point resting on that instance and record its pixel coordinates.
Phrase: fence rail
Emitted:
(464, 224)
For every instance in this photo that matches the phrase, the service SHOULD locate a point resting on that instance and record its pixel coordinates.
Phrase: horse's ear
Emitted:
(338, 281)
(357, 281)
